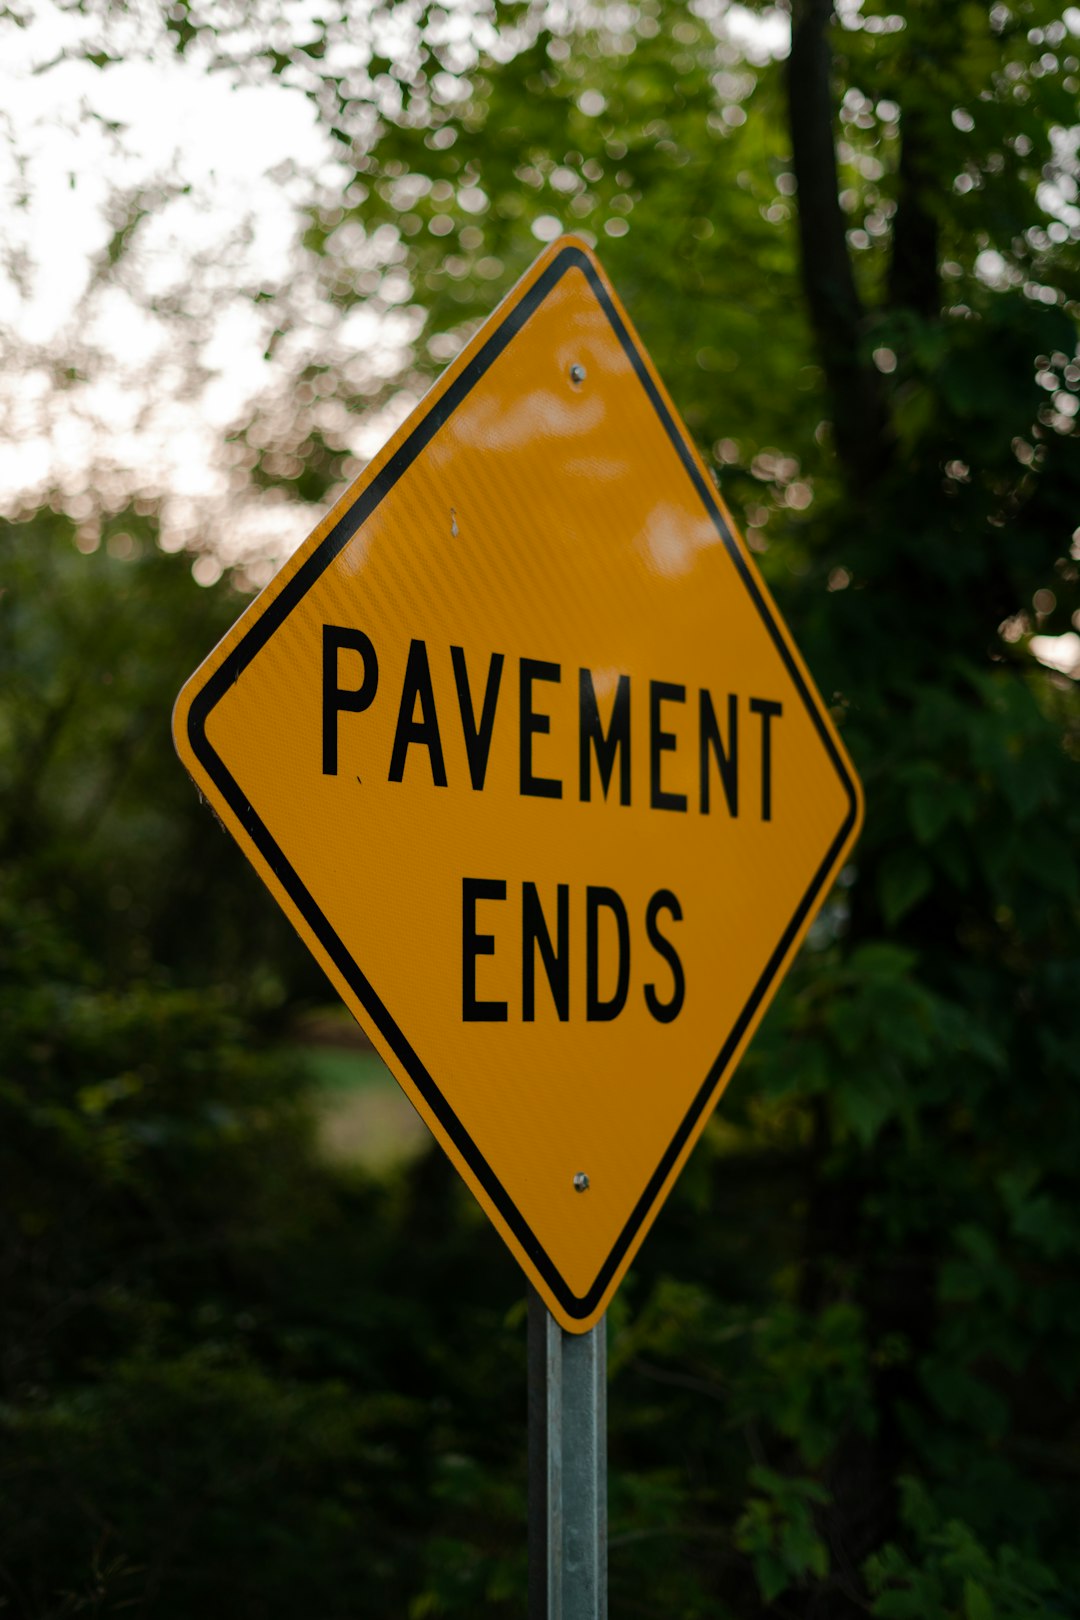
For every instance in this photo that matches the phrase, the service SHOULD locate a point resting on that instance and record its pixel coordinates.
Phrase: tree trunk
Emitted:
(836, 313)
(914, 282)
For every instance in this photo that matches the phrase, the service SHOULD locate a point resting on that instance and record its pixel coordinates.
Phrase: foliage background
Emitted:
(238, 1380)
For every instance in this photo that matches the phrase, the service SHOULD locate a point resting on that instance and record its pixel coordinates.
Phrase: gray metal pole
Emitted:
(567, 1469)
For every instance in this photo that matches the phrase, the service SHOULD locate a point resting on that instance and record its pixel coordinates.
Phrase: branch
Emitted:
(914, 282)
(836, 311)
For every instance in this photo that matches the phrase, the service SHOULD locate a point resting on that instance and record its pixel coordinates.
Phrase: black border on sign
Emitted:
(237, 661)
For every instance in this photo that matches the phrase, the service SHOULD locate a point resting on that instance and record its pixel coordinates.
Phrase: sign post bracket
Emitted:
(567, 1385)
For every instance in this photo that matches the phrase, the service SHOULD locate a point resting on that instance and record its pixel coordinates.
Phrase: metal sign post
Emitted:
(567, 1469)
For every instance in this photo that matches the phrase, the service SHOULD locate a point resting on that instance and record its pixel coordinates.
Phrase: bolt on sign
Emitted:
(521, 745)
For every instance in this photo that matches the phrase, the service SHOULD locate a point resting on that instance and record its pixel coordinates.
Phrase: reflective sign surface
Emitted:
(520, 744)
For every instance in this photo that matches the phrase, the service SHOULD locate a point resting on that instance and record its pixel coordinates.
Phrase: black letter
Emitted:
(334, 699)
(709, 737)
(477, 736)
(665, 1011)
(597, 1011)
(534, 931)
(474, 945)
(417, 684)
(618, 737)
(662, 742)
(534, 669)
(768, 711)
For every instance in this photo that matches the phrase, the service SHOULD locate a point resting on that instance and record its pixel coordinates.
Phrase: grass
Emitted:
(363, 1118)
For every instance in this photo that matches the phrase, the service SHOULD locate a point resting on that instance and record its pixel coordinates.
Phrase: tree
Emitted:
(844, 1368)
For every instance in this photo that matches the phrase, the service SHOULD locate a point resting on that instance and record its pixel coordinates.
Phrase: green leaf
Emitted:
(772, 1576)
(865, 1103)
(977, 1604)
(929, 810)
(905, 879)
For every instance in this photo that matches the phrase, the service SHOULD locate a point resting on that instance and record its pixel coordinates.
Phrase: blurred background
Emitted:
(260, 1354)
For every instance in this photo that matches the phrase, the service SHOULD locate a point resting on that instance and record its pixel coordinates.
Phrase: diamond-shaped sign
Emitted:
(521, 745)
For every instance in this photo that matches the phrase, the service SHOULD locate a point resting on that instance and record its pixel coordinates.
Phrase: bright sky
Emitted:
(224, 169)
(71, 135)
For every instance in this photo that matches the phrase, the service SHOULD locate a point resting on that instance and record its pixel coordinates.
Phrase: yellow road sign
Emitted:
(520, 744)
